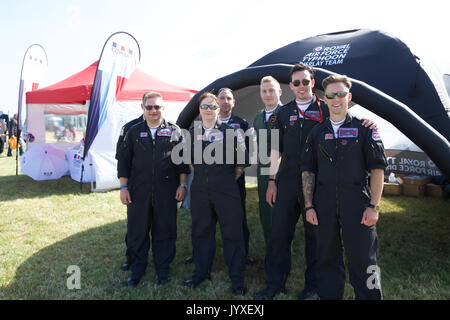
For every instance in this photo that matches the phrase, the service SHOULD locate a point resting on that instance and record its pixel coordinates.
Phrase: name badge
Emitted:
(348, 133)
(235, 125)
(144, 134)
(314, 115)
(199, 137)
(218, 136)
(164, 132)
(293, 118)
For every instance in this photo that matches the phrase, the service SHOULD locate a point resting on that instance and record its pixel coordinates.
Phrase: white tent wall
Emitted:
(35, 122)
(103, 148)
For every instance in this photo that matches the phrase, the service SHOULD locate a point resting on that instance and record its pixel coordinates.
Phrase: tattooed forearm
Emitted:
(308, 179)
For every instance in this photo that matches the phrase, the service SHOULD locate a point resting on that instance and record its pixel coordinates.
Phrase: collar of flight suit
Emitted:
(348, 119)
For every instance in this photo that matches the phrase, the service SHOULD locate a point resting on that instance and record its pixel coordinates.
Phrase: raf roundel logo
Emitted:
(319, 48)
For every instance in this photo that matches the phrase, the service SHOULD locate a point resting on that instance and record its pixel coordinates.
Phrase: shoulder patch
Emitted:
(376, 135)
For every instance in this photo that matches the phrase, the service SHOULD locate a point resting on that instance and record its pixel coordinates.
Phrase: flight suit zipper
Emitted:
(325, 153)
(153, 171)
(337, 189)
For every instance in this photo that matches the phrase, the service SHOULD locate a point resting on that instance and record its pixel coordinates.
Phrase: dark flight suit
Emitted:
(215, 196)
(341, 166)
(265, 211)
(289, 202)
(123, 132)
(239, 123)
(152, 182)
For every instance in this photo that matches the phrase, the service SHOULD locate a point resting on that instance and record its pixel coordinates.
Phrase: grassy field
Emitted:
(47, 226)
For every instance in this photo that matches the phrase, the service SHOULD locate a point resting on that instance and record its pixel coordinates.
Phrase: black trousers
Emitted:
(158, 219)
(285, 216)
(243, 194)
(361, 246)
(220, 202)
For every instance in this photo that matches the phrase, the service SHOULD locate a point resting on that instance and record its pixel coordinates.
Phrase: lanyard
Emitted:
(318, 118)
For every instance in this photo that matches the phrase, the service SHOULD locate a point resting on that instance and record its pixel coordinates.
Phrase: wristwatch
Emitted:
(183, 185)
(373, 206)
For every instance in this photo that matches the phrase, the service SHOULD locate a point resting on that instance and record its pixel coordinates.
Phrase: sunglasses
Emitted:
(210, 106)
(305, 82)
(340, 94)
(156, 107)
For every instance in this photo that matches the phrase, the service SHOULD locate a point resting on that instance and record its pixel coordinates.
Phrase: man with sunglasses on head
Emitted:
(215, 195)
(150, 186)
(294, 121)
(340, 203)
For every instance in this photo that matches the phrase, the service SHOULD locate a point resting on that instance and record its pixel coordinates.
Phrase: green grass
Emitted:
(47, 226)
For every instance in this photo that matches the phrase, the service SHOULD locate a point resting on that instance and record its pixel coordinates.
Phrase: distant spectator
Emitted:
(13, 132)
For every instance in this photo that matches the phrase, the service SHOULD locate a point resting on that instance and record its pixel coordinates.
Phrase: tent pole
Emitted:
(81, 178)
(92, 174)
(17, 150)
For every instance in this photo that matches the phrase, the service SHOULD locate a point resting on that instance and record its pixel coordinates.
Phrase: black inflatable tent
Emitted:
(387, 78)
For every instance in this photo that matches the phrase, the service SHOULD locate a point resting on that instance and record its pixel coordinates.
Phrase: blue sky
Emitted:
(192, 43)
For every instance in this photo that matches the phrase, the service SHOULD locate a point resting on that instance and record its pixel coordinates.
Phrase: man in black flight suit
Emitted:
(150, 186)
(126, 266)
(338, 157)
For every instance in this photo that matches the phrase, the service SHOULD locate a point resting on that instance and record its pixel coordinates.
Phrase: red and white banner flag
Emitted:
(119, 58)
(33, 70)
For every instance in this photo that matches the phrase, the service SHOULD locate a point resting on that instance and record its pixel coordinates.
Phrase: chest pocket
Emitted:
(143, 144)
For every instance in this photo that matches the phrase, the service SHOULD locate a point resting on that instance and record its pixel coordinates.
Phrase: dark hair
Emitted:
(336, 78)
(302, 67)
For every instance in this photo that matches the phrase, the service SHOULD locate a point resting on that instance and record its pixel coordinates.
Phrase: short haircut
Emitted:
(270, 79)
(302, 67)
(336, 78)
(207, 95)
(225, 89)
(150, 94)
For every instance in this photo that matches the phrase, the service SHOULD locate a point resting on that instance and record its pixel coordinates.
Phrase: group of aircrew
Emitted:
(326, 166)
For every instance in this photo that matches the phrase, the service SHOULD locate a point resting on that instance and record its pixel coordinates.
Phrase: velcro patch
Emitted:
(144, 134)
(217, 136)
(164, 132)
(272, 119)
(348, 133)
(329, 136)
(240, 138)
(235, 125)
(293, 118)
(375, 135)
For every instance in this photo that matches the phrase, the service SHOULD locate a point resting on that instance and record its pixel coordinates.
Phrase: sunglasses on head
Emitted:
(156, 107)
(210, 106)
(340, 94)
(305, 82)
